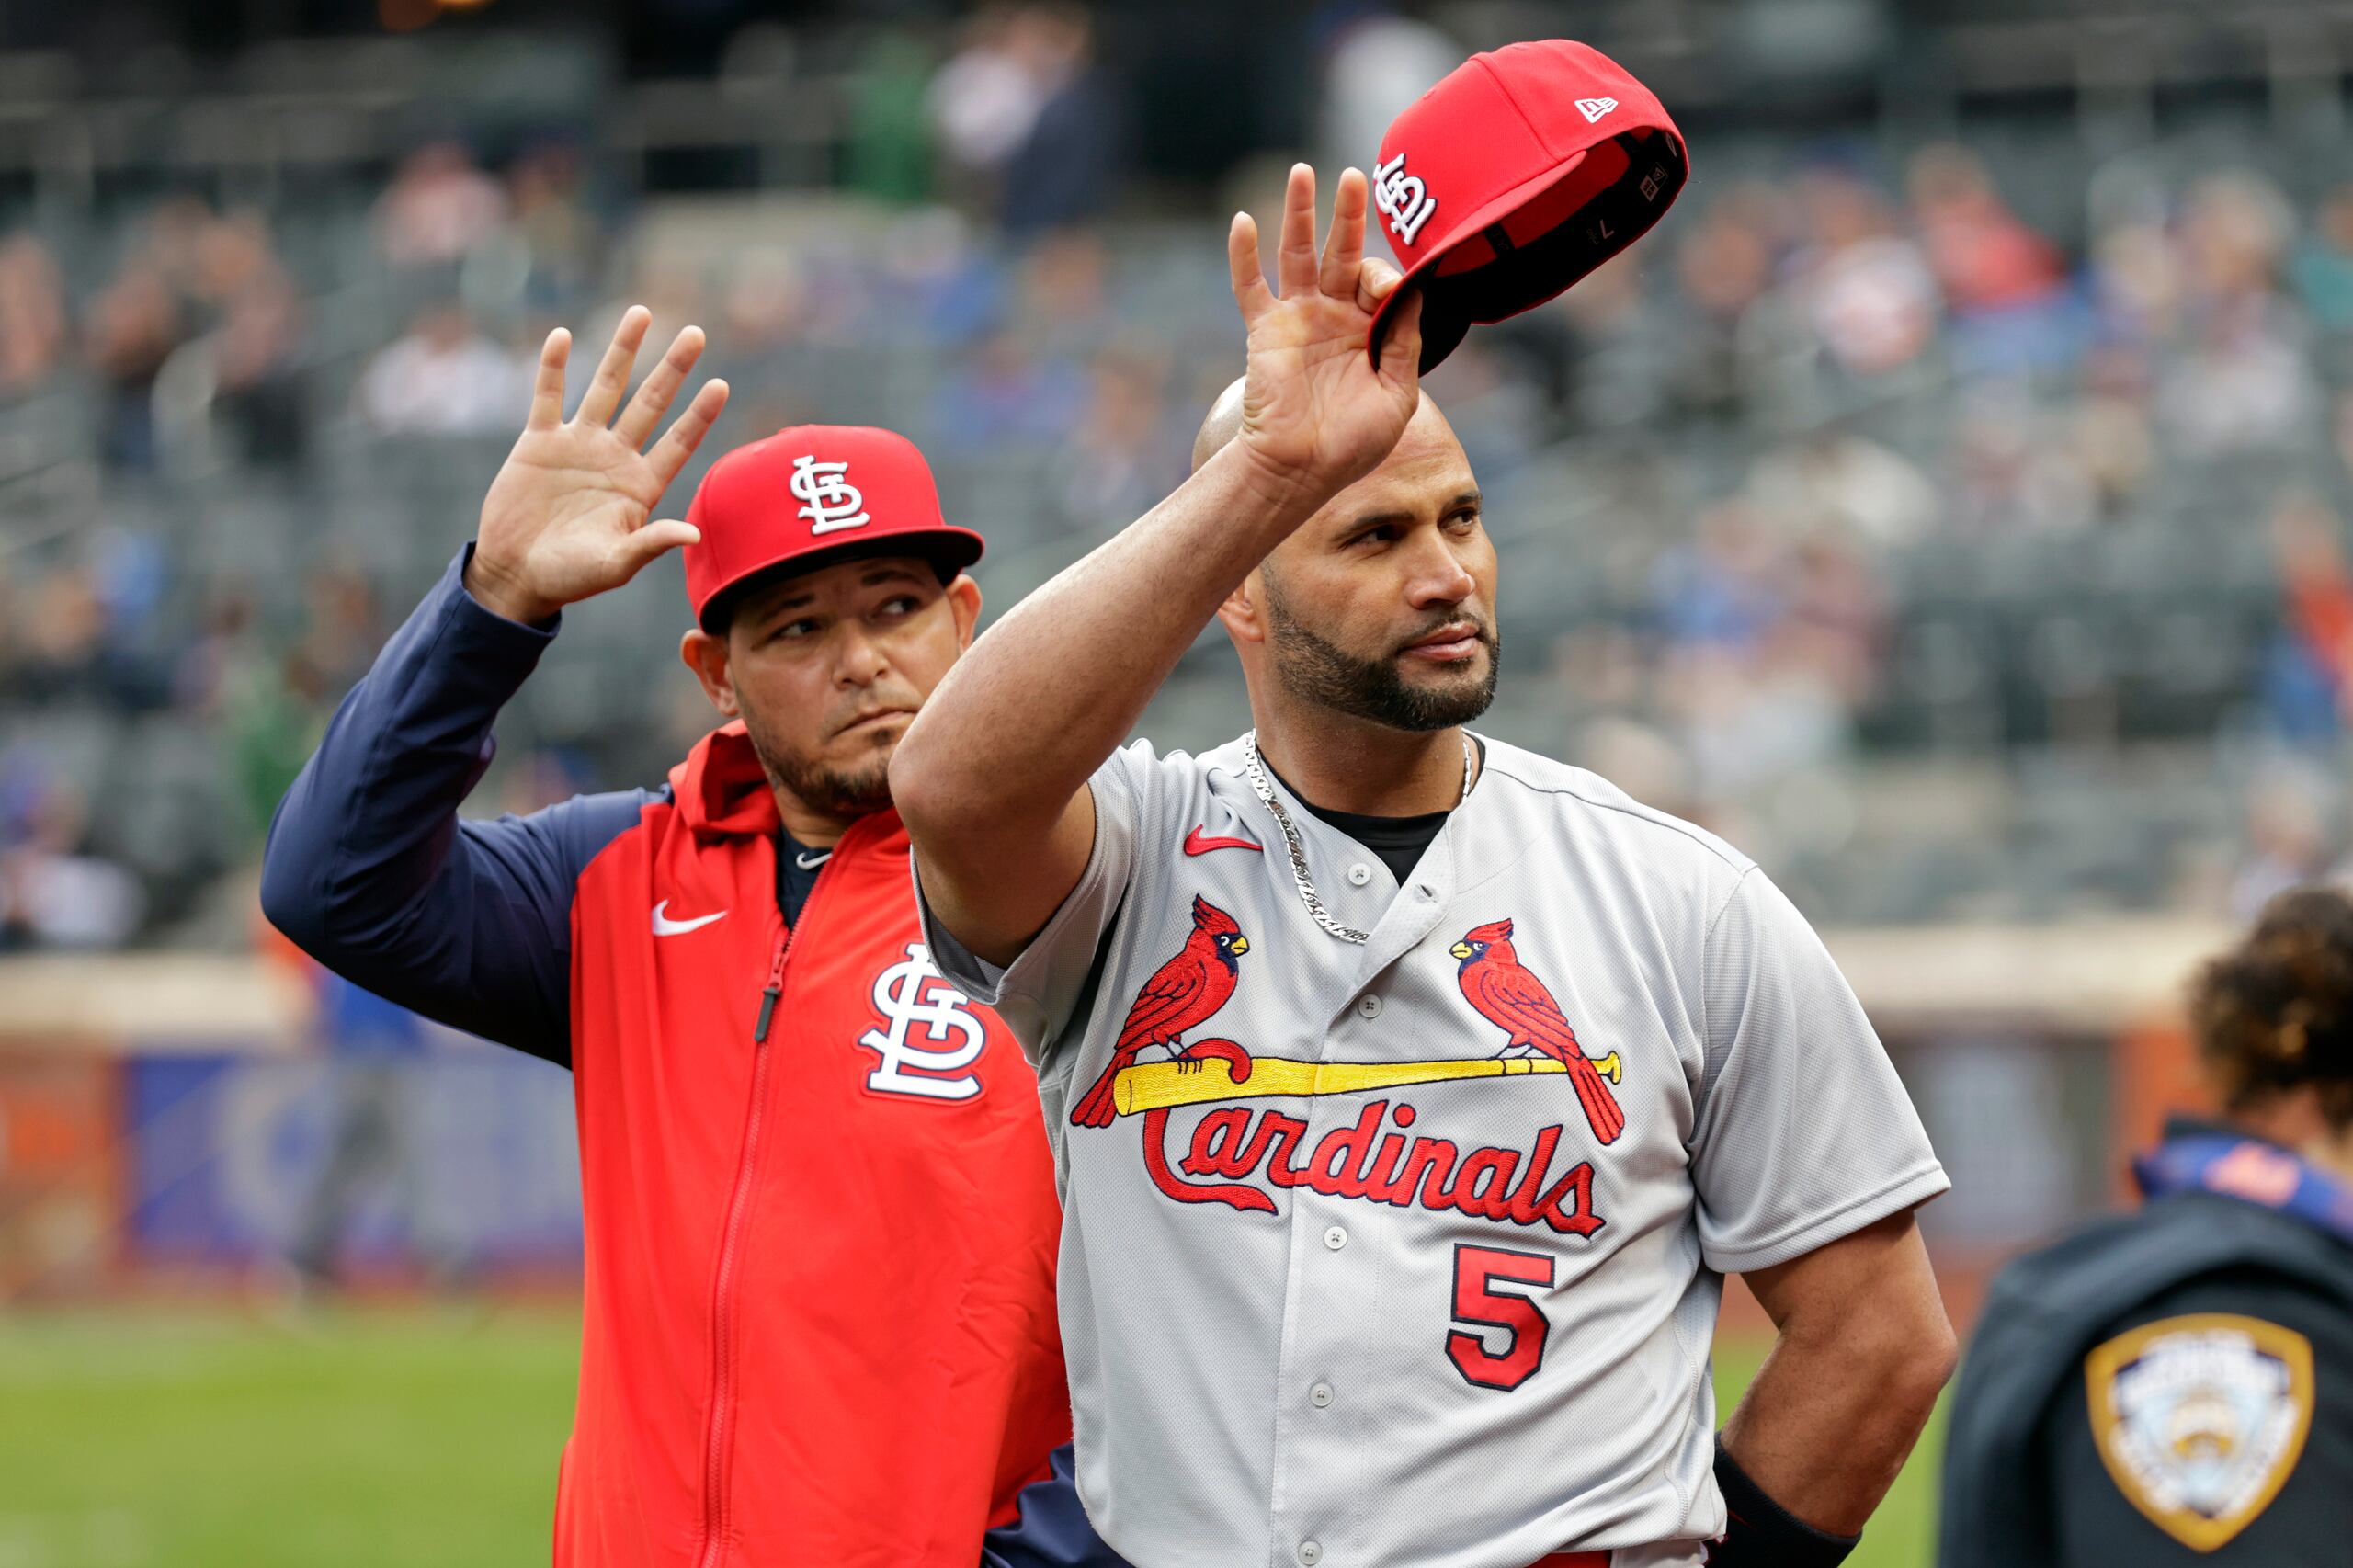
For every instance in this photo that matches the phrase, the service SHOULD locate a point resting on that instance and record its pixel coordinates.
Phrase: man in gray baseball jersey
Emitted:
(1411, 1094)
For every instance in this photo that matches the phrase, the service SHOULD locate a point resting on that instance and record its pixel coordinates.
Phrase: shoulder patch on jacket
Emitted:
(2200, 1419)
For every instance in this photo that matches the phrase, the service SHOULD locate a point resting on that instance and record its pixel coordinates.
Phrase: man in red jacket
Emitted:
(819, 1320)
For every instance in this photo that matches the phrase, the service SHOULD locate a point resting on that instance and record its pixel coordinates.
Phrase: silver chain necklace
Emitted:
(1255, 772)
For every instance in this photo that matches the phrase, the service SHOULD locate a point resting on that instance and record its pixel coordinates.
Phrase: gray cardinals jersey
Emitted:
(1410, 1252)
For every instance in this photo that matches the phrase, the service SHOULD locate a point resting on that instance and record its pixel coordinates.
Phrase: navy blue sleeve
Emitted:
(371, 870)
(1052, 1531)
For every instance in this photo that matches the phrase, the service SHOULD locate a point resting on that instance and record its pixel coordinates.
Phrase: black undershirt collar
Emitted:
(1398, 842)
(794, 880)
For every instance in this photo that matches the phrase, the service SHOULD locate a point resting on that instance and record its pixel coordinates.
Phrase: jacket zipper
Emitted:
(718, 1431)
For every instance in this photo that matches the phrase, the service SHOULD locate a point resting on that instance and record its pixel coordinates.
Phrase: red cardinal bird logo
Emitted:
(1513, 999)
(1185, 992)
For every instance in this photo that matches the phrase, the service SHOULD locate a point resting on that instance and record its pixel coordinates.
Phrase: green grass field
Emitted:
(376, 1439)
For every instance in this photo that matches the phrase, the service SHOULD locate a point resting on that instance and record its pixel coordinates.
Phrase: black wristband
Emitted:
(1760, 1533)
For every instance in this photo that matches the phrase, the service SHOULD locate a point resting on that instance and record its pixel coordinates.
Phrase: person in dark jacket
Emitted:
(2176, 1385)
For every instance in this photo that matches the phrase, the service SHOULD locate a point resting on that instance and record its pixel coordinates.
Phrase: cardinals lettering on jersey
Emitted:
(1512, 999)
(1493, 1182)
(1185, 992)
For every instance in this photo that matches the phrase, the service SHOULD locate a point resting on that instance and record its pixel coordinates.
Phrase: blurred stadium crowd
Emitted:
(1962, 532)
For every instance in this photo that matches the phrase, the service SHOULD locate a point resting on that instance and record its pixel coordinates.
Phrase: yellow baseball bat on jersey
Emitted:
(1155, 1086)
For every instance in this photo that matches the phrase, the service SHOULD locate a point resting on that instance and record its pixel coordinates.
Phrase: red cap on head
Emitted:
(809, 496)
(1520, 171)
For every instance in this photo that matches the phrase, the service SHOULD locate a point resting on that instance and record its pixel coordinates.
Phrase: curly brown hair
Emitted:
(2274, 1014)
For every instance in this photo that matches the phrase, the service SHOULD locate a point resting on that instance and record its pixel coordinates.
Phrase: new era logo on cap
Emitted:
(1594, 108)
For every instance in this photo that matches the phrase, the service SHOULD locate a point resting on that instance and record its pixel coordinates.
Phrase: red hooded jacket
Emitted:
(868, 1365)
(819, 1214)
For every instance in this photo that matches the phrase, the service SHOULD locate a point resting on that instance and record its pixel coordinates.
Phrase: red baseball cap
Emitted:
(1524, 169)
(811, 496)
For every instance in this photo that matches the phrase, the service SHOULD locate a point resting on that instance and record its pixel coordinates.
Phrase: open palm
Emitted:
(570, 512)
(1317, 410)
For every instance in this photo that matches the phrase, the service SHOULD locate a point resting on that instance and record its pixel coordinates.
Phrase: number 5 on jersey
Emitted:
(1477, 1272)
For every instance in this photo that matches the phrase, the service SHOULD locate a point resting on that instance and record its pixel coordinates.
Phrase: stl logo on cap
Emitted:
(827, 497)
(829, 500)
(1401, 198)
(745, 510)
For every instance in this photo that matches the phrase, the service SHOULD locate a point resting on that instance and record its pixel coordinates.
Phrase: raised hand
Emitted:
(1317, 413)
(570, 514)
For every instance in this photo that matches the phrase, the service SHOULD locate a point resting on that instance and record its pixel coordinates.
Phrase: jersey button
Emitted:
(1310, 1555)
(1336, 1237)
(1320, 1397)
(1367, 1006)
(1359, 874)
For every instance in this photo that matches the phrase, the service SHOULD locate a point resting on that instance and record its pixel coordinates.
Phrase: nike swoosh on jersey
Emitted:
(665, 926)
(1197, 843)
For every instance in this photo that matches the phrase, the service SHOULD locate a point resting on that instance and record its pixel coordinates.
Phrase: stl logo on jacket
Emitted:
(934, 1062)
(1184, 992)
(1512, 999)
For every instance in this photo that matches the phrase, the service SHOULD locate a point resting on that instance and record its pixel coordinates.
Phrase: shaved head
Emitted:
(1222, 423)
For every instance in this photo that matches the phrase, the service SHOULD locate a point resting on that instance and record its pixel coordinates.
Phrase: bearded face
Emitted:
(1372, 684)
(827, 669)
(829, 783)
